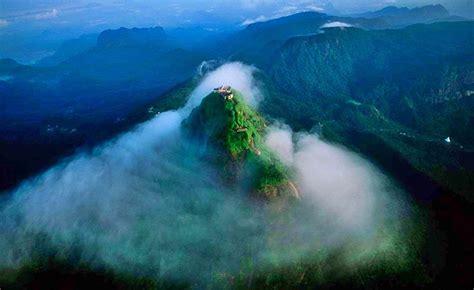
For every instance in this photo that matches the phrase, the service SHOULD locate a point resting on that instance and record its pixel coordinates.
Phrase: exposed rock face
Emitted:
(286, 189)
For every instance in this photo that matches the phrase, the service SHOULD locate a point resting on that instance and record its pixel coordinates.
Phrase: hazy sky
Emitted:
(168, 13)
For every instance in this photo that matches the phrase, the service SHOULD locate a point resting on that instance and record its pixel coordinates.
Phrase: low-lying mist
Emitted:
(146, 204)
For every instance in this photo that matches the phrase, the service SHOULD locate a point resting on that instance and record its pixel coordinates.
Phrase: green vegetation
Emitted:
(270, 172)
(407, 88)
(236, 130)
(244, 127)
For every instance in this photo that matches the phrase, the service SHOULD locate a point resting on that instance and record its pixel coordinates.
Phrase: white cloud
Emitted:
(254, 3)
(288, 9)
(48, 14)
(97, 22)
(281, 11)
(340, 183)
(316, 8)
(336, 24)
(249, 21)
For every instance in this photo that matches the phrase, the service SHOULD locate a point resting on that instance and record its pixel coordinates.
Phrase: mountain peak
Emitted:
(226, 118)
(235, 130)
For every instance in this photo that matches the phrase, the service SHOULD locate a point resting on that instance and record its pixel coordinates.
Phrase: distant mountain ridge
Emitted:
(132, 37)
(429, 10)
(259, 41)
(400, 16)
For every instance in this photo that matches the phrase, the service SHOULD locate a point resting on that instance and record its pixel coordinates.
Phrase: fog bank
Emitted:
(147, 204)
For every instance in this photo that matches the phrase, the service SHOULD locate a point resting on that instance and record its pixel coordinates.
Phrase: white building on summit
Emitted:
(225, 92)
